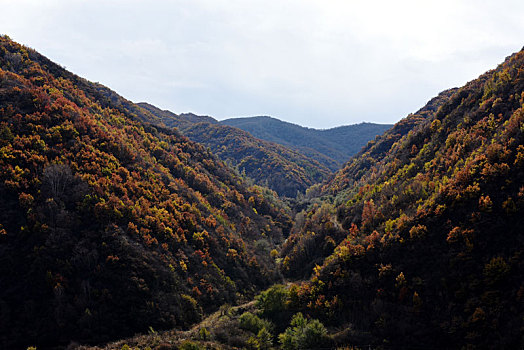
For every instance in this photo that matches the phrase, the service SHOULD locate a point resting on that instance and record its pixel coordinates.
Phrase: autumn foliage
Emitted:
(418, 239)
(110, 225)
(283, 170)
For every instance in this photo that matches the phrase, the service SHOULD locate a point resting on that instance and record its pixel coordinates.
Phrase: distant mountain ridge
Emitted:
(285, 157)
(331, 147)
(282, 169)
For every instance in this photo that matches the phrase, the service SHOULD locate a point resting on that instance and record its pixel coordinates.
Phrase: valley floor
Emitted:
(208, 334)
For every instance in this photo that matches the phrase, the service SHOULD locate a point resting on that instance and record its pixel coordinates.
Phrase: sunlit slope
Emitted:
(419, 239)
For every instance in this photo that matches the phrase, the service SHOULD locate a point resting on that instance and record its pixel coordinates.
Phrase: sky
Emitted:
(317, 63)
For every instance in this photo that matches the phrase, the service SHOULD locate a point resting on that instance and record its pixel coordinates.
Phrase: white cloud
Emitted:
(316, 63)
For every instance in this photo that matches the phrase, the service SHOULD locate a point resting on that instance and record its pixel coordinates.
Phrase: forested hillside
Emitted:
(109, 225)
(282, 169)
(415, 243)
(376, 152)
(418, 241)
(331, 147)
(285, 157)
(114, 223)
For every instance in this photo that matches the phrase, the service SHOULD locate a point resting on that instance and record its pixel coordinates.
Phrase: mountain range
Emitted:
(254, 146)
(331, 147)
(115, 221)
(283, 170)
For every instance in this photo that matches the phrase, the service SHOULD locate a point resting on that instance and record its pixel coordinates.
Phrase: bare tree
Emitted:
(57, 178)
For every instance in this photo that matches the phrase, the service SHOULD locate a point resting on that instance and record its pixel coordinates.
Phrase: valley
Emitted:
(124, 226)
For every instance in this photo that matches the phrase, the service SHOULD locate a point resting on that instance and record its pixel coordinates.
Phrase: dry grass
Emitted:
(222, 328)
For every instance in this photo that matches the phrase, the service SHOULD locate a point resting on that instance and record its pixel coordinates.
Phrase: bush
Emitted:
(265, 339)
(203, 334)
(273, 300)
(304, 334)
(274, 305)
(253, 323)
(188, 345)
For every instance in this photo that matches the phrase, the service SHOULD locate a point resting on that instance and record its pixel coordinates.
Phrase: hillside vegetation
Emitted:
(109, 225)
(283, 170)
(113, 223)
(331, 147)
(418, 240)
(415, 243)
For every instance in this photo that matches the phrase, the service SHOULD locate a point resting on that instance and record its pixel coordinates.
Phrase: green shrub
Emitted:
(203, 334)
(252, 343)
(253, 323)
(265, 339)
(304, 334)
(188, 345)
(272, 300)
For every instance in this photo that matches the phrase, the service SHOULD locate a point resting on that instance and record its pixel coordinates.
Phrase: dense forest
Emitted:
(417, 241)
(331, 147)
(109, 225)
(281, 169)
(113, 223)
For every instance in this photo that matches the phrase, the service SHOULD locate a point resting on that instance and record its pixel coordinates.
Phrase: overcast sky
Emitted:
(319, 63)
